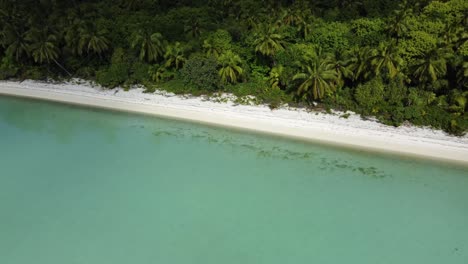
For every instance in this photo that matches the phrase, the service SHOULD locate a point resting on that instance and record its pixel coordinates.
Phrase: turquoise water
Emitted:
(88, 186)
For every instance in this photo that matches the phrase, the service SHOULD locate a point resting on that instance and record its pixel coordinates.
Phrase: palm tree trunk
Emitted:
(63, 68)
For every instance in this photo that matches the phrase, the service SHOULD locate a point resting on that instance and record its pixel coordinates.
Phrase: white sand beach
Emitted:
(291, 122)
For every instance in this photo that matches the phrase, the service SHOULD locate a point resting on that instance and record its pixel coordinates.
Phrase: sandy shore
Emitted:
(298, 123)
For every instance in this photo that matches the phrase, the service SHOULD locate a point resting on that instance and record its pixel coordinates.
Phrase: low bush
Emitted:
(8, 68)
(370, 95)
(201, 72)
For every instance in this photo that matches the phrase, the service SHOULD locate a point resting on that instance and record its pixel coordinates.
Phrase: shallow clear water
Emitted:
(96, 187)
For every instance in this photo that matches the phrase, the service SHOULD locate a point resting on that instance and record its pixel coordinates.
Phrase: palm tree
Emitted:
(398, 24)
(231, 70)
(386, 59)
(296, 18)
(211, 49)
(93, 41)
(15, 43)
(275, 77)
(193, 28)
(359, 60)
(318, 77)
(131, 4)
(342, 68)
(151, 46)
(431, 67)
(349, 4)
(291, 17)
(250, 23)
(73, 34)
(44, 47)
(175, 56)
(156, 72)
(268, 41)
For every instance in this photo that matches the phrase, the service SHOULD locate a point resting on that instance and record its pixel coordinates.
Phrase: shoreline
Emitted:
(292, 123)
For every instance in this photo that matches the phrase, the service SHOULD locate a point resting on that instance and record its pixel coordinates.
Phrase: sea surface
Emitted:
(88, 186)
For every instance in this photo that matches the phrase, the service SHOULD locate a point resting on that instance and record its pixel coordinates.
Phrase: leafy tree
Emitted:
(367, 31)
(416, 44)
(331, 36)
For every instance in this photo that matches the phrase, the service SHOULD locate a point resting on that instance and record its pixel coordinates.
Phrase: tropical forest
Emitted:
(396, 61)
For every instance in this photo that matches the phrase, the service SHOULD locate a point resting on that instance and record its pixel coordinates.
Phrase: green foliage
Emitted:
(367, 32)
(44, 48)
(113, 76)
(417, 44)
(175, 56)
(400, 60)
(276, 78)
(179, 86)
(150, 46)
(231, 70)
(117, 73)
(34, 73)
(396, 93)
(217, 42)
(431, 66)
(8, 68)
(268, 40)
(201, 72)
(331, 36)
(158, 73)
(91, 41)
(370, 95)
(386, 61)
(138, 73)
(318, 76)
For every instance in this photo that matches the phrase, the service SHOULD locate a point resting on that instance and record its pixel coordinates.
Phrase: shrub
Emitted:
(370, 95)
(34, 73)
(139, 72)
(179, 86)
(395, 93)
(113, 76)
(117, 73)
(201, 72)
(218, 41)
(417, 44)
(8, 68)
(331, 36)
(368, 32)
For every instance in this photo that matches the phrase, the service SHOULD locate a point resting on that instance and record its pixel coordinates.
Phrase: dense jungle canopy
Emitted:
(395, 60)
